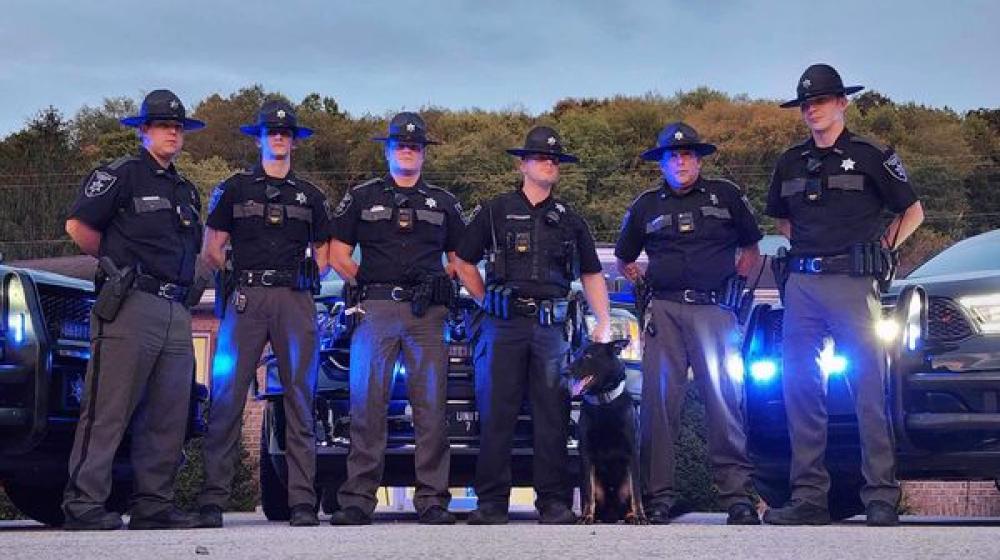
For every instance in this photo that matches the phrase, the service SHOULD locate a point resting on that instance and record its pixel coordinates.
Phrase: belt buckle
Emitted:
(688, 296)
(396, 293)
(814, 265)
(167, 290)
(264, 278)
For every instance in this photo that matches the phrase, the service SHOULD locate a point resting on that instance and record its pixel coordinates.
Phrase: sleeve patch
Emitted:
(215, 198)
(100, 183)
(345, 203)
(894, 166)
(467, 218)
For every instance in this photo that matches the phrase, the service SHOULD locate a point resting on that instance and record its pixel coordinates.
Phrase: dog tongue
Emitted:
(579, 385)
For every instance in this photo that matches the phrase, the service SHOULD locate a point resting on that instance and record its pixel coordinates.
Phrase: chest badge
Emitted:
(431, 203)
(300, 198)
(847, 164)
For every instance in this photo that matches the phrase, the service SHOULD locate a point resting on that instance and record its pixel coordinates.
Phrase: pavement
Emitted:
(692, 536)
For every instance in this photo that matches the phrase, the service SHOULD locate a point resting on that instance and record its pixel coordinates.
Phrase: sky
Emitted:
(379, 57)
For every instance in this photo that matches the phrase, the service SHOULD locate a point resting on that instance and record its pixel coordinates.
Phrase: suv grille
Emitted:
(67, 314)
(947, 321)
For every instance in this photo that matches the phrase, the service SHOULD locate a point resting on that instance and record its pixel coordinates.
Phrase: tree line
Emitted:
(953, 159)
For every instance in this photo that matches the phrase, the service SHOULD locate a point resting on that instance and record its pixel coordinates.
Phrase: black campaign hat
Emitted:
(407, 127)
(678, 136)
(819, 80)
(276, 114)
(543, 140)
(162, 105)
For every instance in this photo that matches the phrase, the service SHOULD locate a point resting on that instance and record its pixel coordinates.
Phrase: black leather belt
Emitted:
(267, 278)
(165, 290)
(689, 296)
(387, 292)
(833, 264)
(529, 307)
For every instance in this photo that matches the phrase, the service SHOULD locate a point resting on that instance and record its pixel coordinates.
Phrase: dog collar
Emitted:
(606, 397)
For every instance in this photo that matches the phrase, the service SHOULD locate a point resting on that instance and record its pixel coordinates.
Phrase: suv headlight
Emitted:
(16, 320)
(623, 325)
(985, 309)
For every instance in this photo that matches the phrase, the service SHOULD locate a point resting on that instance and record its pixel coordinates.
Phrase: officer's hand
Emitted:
(451, 270)
(632, 271)
(601, 332)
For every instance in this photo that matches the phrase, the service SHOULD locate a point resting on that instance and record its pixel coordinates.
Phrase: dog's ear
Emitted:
(619, 345)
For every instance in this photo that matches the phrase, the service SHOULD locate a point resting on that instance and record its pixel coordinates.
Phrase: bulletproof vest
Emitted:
(273, 212)
(538, 249)
(699, 222)
(186, 217)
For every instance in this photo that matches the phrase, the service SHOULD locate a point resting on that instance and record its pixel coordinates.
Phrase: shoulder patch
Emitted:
(327, 209)
(894, 166)
(100, 183)
(216, 196)
(344, 204)
(114, 165)
(882, 148)
(467, 218)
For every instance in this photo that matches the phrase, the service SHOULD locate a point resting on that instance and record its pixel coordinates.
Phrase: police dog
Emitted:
(609, 456)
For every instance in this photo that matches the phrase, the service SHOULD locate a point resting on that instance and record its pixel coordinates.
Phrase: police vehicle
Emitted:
(44, 349)
(333, 418)
(941, 327)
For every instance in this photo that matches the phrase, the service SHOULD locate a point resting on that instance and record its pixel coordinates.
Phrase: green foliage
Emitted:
(245, 492)
(7, 509)
(693, 473)
(954, 159)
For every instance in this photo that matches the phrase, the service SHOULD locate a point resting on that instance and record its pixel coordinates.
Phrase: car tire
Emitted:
(273, 486)
(41, 503)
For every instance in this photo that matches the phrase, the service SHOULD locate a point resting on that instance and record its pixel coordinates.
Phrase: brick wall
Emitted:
(964, 499)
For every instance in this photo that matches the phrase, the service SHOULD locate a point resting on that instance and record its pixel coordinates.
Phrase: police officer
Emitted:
(278, 226)
(827, 194)
(692, 229)
(403, 225)
(140, 217)
(536, 245)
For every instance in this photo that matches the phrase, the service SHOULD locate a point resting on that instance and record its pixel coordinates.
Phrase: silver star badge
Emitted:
(431, 203)
(807, 83)
(678, 135)
(174, 103)
(551, 141)
(410, 127)
(560, 208)
(300, 198)
(847, 164)
(281, 113)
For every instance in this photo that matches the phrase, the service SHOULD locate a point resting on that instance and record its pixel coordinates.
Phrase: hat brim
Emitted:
(702, 149)
(800, 100)
(255, 130)
(564, 158)
(138, 120)
(425, 141)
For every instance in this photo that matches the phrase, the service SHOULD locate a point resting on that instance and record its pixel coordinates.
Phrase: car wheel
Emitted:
(273, 486)
(41, 503)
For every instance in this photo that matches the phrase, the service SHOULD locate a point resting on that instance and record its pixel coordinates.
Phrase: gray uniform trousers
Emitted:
(140, 371)
(706, 339)
(288, 319)
(387, 330)
(846, 308)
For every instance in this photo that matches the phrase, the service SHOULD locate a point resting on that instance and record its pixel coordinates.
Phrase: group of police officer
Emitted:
(141, 219)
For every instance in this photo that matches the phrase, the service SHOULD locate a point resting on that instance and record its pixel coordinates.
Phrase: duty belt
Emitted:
(266, 278)
(833, 264)
(689, 296)
(165, 290)
(387, 292)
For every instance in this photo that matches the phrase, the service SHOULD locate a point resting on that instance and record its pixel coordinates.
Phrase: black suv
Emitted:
(333, 419)
(941, 326)
(44, 348)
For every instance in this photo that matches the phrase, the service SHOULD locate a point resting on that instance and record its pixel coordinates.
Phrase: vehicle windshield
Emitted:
(975, 254)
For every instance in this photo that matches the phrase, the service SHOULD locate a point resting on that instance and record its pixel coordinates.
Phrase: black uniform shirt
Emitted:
(534, 240)
(148, 215)
(856, 178)
(690, 238)
(238, 207)
(369, 216)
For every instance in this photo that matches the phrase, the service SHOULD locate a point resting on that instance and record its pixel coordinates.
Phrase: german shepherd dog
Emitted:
(609, 455)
